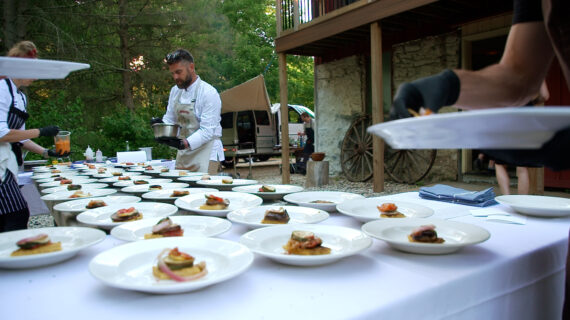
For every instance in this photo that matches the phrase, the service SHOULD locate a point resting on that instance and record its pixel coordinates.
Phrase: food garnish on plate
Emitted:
(179, 193)
(123, 215)
(101, 170)
(55, 171)
(80, 194)
(71, 187)
(227, 180)
(148, 168)
(164, 170)
(205, 177)
(97, 203)
(140, 182)
(266, 188)
(36, 245)
(182, 173)
(124, 178)
(165, 228)
(305, 243)
(178, 266)
(390, 210)
(155, 187)
(276, 216)
(117, 174)
(65, 181)
(321, 201)
(425, 234)
(214, 203)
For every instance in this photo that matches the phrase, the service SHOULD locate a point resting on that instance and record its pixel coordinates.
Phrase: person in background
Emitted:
(14, 136)
(196, 106)
(309, 134)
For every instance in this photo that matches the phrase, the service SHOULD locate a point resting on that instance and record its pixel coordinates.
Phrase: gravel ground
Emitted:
(268, 173)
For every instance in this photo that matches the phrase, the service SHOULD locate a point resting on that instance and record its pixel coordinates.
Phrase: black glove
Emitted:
(50, 131)
(172, 142)
(155, 120)
(52, 153)
(432, 93)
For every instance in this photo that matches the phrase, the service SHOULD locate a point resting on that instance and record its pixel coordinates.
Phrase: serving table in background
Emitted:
(517, 274)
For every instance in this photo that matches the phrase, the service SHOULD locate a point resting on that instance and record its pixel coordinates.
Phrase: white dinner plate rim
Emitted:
(153, 195)
(181, 202)
(242, 257)
(61, 206)
(64, 195)
(344, 208)
(236, 216)
(540, 207)
(84, 216)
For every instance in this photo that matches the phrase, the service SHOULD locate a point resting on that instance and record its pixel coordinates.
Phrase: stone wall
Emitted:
(425, 57)
(340, 96)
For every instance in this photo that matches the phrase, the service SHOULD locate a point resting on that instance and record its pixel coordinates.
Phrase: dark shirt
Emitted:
(527, 11)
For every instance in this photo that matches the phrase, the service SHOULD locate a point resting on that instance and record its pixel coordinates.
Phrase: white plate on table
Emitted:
(23, 68)
(42, 176)
(306, 199)
(111, 175)
(193, 226)
(539, 206)
(101, 217)
(180, 173)
(79, 205)
(280, 190)
(193, 179)
(456, 234)
(218, 184)
(64, 195)
(129, 266)
(500, 128)
(252, 217)
(166, 194)
(72, 240)
(155, 171)
(128, 183)
(365, 210)
(116, 179)
(143, 188)
(237, 200)
(74, 180)
(84, 187)
(269, 242)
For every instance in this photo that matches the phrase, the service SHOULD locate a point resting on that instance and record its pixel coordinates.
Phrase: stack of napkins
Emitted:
(442, 192)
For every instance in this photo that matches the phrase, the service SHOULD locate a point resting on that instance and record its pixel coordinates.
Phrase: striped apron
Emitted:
(11, 197)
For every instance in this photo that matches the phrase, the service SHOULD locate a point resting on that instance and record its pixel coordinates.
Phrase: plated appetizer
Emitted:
(101, 170)
(95, 204)
(124, 178)
(205, 177)
(36, 245)
(305, 243)
(389, 210)
(140, 182)
(164, 170)
(425, 234)
(178, 193)
(71, 187)
(155, 187)
(165, 228)
(276, 216)
(80, 194)
(178, 266)
(117, 174)
(215, 203)
(148, 168)
(124, 215)
(65, 181)
(321, 201)
(182, 173)
(227, 180)
(266, 188)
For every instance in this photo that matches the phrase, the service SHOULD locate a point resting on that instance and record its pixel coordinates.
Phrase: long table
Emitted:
(517, 274)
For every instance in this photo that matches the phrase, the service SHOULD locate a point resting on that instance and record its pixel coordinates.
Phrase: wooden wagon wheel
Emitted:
(356, 151)
(408, 165)
(404, 166)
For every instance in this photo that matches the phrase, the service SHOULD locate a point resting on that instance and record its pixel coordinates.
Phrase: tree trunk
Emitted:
(125, 56)
(10, 17)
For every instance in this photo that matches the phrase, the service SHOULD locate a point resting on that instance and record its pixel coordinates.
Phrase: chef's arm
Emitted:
(517, 78)
(33, 147)
(14, 135)
(209, 121)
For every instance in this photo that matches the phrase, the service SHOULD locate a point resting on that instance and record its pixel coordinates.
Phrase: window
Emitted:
(262, 118)
(227, 120)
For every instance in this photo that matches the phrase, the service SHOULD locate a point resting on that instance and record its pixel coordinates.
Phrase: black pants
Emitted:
(14, 220)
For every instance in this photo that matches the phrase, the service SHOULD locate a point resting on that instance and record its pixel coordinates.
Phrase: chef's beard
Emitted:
(184, 84)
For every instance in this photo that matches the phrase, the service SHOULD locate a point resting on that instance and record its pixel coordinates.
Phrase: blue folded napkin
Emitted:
(442, 192)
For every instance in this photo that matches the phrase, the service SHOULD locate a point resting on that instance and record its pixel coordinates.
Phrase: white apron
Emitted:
(198, 159)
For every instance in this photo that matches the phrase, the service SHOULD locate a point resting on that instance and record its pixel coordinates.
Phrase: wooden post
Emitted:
(278, 17)
(377, 108)
(296, 15)
(285, 177)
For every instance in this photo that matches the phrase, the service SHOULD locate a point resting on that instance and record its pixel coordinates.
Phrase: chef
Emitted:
(196, 106)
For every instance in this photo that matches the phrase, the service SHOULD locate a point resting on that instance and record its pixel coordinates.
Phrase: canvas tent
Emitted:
(250, 95)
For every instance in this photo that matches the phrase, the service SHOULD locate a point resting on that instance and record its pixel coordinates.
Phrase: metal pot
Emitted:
(165, 130)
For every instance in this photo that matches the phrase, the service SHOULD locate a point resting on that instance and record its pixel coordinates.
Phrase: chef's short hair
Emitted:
(23, 49)
(179, 55)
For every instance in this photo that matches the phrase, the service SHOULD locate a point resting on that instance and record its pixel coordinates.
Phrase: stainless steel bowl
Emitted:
(165, 130)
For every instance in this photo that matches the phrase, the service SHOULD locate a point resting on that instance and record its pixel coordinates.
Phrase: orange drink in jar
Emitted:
(62, 142)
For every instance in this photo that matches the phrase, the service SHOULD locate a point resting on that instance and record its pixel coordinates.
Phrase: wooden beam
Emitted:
(377, 109)
(285, 177)
(362, 15)
(278, 16)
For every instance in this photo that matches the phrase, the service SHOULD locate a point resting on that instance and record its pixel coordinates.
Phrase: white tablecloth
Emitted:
(517, 274)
